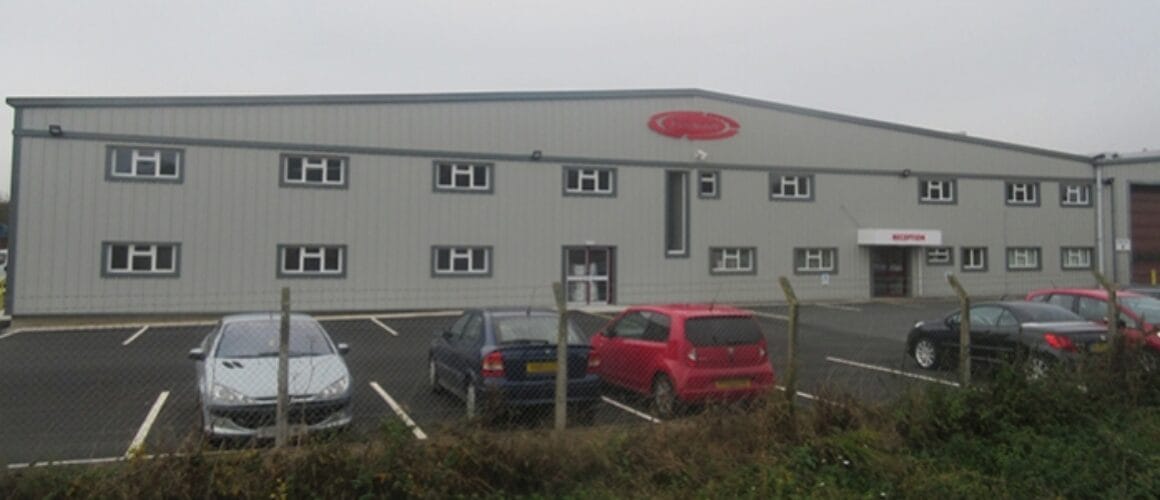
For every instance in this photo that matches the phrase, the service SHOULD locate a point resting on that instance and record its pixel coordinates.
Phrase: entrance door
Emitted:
(889, 271)
(588, 274)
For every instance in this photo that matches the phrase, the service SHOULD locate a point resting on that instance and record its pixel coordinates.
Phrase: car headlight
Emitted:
(336, 388)
(226, 394)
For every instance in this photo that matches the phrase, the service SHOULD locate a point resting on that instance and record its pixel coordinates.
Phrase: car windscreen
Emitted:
(1147, 308)
(532, 329)
(717, 331)
(259, 338)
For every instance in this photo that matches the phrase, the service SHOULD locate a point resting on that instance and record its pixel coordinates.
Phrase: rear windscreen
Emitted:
(722, 331)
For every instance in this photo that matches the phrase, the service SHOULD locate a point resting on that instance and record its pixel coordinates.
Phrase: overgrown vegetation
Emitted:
(1093, 434)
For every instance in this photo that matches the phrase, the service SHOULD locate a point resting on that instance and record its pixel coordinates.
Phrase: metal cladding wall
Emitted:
(1134, 205)
(230, 213)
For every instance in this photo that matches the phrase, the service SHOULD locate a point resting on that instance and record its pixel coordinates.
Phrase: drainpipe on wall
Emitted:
(1099, 211)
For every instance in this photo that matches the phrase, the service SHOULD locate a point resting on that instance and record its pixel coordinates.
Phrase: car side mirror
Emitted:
(343, 348)
(197, 354)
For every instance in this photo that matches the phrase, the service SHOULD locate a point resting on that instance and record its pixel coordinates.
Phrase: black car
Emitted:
(1040, 333)
(504, 358)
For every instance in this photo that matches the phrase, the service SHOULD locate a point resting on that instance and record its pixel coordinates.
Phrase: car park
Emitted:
(237, 377)
(1139, 315)
(1038, 334)
(685, 353)
(501, 359)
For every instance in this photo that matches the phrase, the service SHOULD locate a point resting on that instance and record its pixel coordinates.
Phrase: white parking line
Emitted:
(411, 315)
(384, 326)
(890, 371)
(9, 334)
(399, 411)
(770, 315)
(143, 432)
(79, 461)
(805, 395)
(839, 307)
(630, 409)
(135, 335)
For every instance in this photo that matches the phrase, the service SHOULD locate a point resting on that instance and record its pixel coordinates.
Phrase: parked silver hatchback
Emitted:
(237, 377)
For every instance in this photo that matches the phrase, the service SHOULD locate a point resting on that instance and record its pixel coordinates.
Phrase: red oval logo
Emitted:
(694, 125)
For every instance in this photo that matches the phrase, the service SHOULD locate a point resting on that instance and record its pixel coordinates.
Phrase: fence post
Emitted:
(281, 426)
(561, 357)
(964, 331)
(1113, 317)
(791, 368)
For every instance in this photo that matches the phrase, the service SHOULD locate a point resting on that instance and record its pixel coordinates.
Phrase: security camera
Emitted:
(701, 155)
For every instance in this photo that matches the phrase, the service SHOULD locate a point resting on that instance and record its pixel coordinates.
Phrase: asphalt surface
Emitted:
(91, 394)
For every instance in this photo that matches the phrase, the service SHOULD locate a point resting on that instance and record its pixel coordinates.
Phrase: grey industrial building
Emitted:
(375, 202)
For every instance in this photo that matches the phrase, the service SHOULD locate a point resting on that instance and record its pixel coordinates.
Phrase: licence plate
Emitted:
(272, 431)
(1098, 347)
(541, 367)
(733, 383)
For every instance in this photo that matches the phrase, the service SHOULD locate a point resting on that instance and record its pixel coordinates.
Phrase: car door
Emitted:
(443, 345)
(984, 320)
(464, 353)
(616, 345)
(646, 353)
(1004, 337)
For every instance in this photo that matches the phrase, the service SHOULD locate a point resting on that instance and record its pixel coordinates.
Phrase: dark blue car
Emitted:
(500, 359)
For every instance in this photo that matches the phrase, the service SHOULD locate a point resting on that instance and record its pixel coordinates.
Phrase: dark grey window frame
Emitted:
(954, 187)
(284, 168)
(716, 194)
(107, 272)
(950, 256)
(1063, 258)
(612, 181)
(714, 271)
(1008, 185)
(113, 150)
(490, 253)
(438, 164)
(1063, 194)
(799, 261)
(684, 223)
(777, 176)
(963, 262)
(344, 258)
(1038, 259)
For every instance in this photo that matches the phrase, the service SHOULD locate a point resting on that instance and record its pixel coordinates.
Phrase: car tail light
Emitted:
(692, 357)
(593, 362)
(761, 351)
(1059, 342)
(493, 364)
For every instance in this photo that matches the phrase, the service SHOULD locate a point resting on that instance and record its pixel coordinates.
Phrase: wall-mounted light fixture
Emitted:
(537, 154)
(55, 130)
(905, 173)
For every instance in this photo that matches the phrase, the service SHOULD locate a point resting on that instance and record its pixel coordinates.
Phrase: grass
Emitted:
(1089, 434)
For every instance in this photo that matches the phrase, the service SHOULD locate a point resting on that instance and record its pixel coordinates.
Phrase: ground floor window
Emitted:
(461, 261)
(1023, 259)
(940, 256)
(1076, 258)
(140, 259)
(733, 260)
(815, 260)
(311, 261)
(974, 259)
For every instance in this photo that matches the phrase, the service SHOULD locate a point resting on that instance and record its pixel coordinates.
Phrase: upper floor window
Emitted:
(140, 259)
(318, 261)
(468, 177)
(815, 260)
(589, 181)
(709, 184)
(791, 187)
(1075, 195)
(940, 256)
(936, 191)
(1023, 259)
(732, 260)
(460, 261)
(974, 259)
(1023, 193)
(144, 164)
(1076, 258)
(314, 171)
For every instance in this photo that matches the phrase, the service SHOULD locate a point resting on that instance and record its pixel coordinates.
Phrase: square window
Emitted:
(815, 260)
(940, 256)
(735, 260)
(126, 163)
(1075, 195)
(311, 261)
(1023, 193)
(1023, 259)
(461, 261)
(583, 181)
(463, 177)
(708, 184)
(974, 259)
(1076, 258)
(936, 191)
(140, 259)
(791, 187)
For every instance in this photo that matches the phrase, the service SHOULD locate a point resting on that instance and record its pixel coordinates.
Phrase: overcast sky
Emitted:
(1079, 77)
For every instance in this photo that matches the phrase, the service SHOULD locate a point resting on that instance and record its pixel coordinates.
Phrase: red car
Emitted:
(1139, 314)
(685, 353)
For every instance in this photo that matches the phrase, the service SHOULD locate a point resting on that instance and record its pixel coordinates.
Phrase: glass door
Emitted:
(588, 274)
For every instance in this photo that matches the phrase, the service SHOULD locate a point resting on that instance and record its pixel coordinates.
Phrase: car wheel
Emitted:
(664, 397)
(470, 401)
(1037, 366)
(433, 377)
(926, 354)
